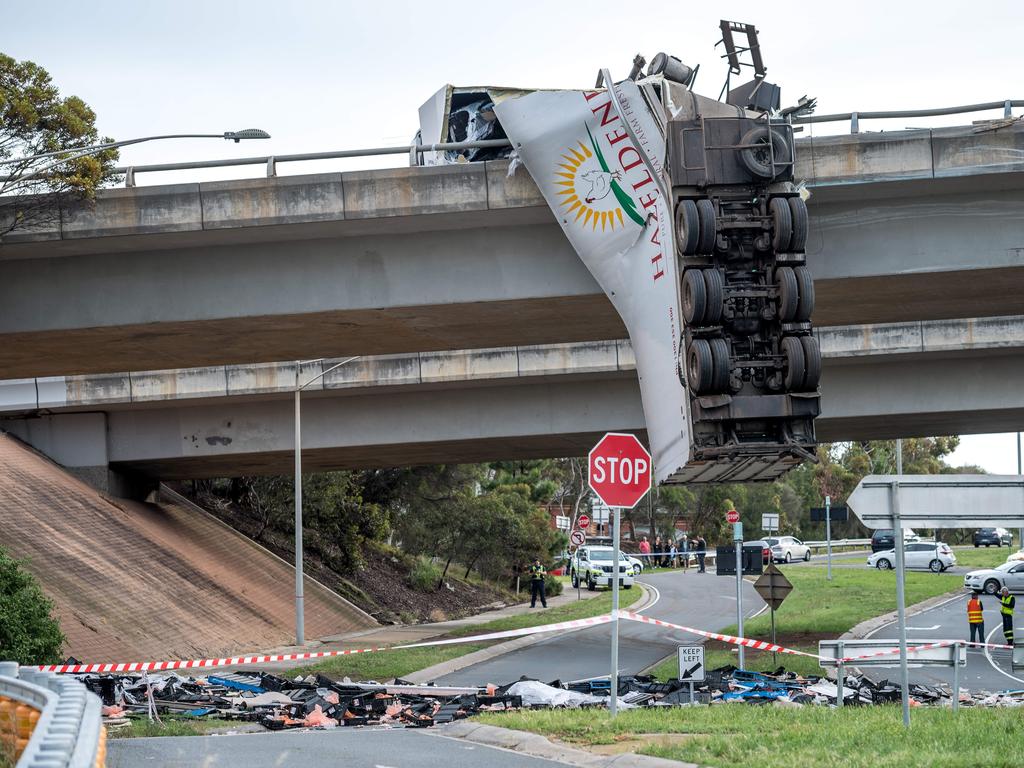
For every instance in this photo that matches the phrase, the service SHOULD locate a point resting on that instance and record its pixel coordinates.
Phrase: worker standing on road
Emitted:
(537, 575)
(702, 548)
(975, 618)
(1006, 606)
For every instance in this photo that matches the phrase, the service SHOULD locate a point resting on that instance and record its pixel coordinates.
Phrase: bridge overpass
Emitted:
(910, 225)
(879, 381)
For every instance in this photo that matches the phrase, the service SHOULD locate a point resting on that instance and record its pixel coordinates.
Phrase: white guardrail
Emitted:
(839, 543)
(52, 721)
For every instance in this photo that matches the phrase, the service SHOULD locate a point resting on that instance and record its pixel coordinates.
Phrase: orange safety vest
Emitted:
(974, 615)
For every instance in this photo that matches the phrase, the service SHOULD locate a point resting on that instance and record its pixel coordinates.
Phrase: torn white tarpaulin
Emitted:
(537, 694)
(582, 154)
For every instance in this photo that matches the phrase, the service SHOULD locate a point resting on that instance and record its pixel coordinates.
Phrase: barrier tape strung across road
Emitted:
(166, 666)
(925, 647)
(760, 645)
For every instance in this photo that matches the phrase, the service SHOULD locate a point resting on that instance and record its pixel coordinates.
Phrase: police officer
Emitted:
(1006, 606)
(537, 574)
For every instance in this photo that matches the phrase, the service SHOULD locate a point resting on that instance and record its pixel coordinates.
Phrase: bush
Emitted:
(552, 586)
(28, 632)
(424, 576)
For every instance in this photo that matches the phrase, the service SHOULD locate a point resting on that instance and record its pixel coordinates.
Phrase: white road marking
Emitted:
(657, 596)
(989, 656)
(924, 629)
(763, 609)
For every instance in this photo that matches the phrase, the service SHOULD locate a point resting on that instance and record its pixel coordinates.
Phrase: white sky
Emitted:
(341, 75)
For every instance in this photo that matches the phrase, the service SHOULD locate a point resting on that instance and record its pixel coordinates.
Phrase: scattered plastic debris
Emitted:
(279, 703)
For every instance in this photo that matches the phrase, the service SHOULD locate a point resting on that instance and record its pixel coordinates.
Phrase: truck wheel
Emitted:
(714, 284)
(694, 297)
(794, 368)
(798, 213)
(706, 217)
(789, 296)
(700, 366)
(687, 227)
(758, 158)
(591, 585)
(782, 223)
(720, 364)
(812, 362)
(805, 290)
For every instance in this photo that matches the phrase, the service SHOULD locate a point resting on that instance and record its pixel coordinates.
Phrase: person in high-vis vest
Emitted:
(537, 575)
(975, 618)
(1006, 606)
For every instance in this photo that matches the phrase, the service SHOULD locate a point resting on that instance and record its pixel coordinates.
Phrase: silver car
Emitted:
(991, 580)
(786, 549)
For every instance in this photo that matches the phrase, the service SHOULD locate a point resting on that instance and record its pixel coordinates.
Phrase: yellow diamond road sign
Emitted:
(773, 586)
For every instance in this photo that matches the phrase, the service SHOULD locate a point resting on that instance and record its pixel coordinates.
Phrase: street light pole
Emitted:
(300, 606)
(1020, 531)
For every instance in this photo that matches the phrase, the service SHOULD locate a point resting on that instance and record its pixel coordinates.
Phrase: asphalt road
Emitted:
(350, 747)
(703, 601)
(987, 670)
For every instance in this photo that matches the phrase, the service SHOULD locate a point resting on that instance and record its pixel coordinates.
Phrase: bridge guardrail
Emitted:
(50, 721)
(839, 543)
(413, 150)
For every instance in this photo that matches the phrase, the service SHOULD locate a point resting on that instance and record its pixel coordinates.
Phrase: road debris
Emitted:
(279, 703)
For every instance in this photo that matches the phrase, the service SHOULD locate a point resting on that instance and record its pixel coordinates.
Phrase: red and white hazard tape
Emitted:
(924, 647)
(166, 666)
(747, 642)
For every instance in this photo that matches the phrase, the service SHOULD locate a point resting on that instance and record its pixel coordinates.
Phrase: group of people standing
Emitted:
(976, 619)
(669, 554)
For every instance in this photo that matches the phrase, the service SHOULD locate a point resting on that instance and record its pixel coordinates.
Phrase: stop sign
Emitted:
(620, 470)
(732, 516)
(583, 521)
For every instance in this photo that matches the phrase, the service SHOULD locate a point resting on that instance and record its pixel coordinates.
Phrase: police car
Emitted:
(593, 566)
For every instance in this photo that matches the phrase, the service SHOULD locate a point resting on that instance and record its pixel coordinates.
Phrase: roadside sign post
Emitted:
(737, 537)
(773, 587)
(619, 472)
(691, 665)
(828, 533)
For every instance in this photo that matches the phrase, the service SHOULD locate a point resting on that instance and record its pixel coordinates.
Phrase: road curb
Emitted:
(538, 746)
(486, 654)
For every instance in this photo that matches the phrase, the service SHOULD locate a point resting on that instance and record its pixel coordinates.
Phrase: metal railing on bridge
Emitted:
(414, 150)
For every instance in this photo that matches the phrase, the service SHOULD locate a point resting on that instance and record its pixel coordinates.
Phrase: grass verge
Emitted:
(171, 726)
(982, 557)
(817, 609)
(811, 737)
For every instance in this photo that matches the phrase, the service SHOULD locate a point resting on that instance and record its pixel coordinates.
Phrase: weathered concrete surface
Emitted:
(475, 367)
(906, 226)
(948, 377)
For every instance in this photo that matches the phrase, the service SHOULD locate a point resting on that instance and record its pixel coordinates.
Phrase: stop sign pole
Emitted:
(619, 472)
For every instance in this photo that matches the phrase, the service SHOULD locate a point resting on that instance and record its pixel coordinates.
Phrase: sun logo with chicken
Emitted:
(591, 190)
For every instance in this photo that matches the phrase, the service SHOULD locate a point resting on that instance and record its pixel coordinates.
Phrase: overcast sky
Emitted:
(340, 75)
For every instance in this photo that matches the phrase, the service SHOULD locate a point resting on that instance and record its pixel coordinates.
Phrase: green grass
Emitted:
(399, 663)
(982, 557)
(723, 736)
(171, 726)
(817, 609)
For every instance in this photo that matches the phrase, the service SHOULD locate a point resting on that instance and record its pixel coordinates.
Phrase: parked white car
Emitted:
(786, 549)
(638, 566)
(918, 555)
(593, 566)
(991, 580)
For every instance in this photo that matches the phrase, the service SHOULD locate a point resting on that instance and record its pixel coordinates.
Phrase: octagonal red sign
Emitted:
(619, 470)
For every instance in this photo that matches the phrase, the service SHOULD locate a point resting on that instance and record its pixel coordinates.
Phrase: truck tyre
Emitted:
(805, 289)
(700, 368)
(694, 297)
(720, 363)
(758, 158)
(812, 362)
(714, 284)
(706, 217)
(782, 223)
(687, 227)
(789, 296)
(798, 213)
(794, 366)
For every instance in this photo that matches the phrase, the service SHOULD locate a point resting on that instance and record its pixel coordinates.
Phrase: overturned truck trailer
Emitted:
(684, 209)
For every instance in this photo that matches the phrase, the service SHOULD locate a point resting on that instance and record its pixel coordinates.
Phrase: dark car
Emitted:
(882, 539)
(989, 536)
(766, 549)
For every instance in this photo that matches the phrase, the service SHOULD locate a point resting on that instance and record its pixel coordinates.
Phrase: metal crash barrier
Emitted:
(49, 721)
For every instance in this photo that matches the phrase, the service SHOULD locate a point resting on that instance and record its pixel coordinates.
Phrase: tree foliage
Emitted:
(29, 634)
(34, 120)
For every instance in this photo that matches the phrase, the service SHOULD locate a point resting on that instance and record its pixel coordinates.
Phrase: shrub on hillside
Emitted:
(553, 586)
(424, 575)
(28, 632)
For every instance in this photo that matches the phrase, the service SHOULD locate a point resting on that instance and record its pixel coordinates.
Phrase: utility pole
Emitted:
(901, 608)
(828, 533)
(1020, 531)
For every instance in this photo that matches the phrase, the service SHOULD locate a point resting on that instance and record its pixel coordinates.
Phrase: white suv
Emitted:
(593, 566)
(786, 549)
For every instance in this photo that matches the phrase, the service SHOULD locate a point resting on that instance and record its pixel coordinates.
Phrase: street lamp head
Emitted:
(248, 133)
